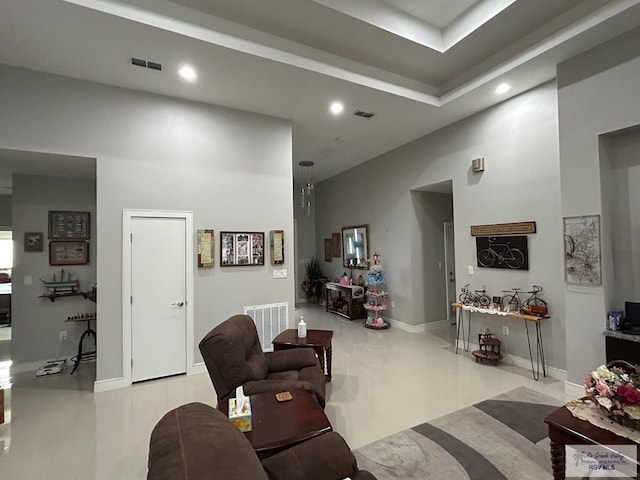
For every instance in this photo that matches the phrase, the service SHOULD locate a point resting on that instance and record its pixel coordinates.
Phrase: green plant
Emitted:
(311, 284)
(313, 269)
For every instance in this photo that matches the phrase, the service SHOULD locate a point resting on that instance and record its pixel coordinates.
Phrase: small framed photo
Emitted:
(68, 253)
(33, 241)
(205, 248)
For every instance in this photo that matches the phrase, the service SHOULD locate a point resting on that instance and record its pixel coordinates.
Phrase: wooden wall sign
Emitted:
(519, 228)
(205, 248)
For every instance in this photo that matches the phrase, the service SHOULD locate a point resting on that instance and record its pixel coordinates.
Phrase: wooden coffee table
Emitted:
(319, 340)
(279, 425)
(565, 429)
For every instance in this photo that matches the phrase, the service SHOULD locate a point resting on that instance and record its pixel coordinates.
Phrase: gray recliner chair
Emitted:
(233, 357)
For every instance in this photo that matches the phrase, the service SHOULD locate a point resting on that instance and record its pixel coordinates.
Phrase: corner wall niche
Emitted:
(620, 193)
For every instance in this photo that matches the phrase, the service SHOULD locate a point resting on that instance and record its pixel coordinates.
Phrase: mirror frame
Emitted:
(364, 263)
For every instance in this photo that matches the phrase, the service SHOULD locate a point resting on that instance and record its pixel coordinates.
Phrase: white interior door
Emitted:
(450, 269)
(158, 297)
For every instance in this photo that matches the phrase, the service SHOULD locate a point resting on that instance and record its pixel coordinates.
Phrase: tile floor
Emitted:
(383, 382)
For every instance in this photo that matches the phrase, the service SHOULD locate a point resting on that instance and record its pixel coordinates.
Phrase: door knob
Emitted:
(177, 304)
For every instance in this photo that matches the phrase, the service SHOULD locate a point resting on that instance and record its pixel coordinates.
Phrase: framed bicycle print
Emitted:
(241, 249)
(509, 252)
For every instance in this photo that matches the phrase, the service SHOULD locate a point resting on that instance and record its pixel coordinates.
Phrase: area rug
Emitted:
(504, 437)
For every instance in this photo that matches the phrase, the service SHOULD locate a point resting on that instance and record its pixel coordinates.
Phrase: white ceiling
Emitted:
(419, 65)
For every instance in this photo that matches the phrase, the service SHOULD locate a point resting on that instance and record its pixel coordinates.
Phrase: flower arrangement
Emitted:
(615, 387)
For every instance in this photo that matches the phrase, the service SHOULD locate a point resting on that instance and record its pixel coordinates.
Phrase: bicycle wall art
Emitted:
(508, 252)
(582, 250)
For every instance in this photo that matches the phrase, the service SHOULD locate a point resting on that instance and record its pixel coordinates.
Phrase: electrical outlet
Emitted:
(470, 268)
(505, 330)
(280, 273)
(63, 334)
(393, 304)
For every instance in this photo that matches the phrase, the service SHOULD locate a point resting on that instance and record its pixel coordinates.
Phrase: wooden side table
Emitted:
(319, 340)
(279, 425)
(565, 429)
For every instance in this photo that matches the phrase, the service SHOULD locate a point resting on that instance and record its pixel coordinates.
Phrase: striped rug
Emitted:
(504, 437)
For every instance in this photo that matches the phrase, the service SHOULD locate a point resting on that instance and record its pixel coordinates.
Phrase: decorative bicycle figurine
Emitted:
(477, 299)
(533, 305)
(502, 253)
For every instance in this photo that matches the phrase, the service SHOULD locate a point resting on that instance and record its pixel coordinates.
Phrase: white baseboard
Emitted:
(110, 384)
(197, 368)
(407, 327)
(420, 328)
(525, 363)
(573, 389)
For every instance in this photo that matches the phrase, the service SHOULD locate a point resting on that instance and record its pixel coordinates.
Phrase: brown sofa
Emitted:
(197, 442)
(233, 357)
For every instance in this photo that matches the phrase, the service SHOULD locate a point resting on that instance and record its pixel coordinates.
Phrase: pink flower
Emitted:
(588, 381)
(603, 388)
(629, 393)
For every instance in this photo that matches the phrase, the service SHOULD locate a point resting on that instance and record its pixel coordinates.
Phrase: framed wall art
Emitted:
(68, 253)
(328, 249)
(336, 241)
(205, 248)
(277, 247)
(582, 262)
(241, 249)
(33, 241)
(69, 225)
(509, 252)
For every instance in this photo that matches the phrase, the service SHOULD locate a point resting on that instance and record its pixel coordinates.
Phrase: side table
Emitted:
(278, 425)
(319, 340)
(565, 429)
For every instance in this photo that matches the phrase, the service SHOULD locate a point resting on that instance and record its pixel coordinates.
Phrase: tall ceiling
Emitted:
(418, 65)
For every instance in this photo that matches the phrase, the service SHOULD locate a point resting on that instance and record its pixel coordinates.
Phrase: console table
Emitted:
(525, 317)
(345, 300)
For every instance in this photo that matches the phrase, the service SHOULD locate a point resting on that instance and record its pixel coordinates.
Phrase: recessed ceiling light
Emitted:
(336, 108)
(188, 73)
(503, 88)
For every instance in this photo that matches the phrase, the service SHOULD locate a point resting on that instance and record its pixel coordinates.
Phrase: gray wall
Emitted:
(591, 105)
(231, 168)
(37, 322)
(519, 140)
(5, 211)
(305, 225)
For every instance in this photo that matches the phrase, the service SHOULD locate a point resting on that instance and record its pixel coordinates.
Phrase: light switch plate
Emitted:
(28, 280)
(470, 269)
(280, 273)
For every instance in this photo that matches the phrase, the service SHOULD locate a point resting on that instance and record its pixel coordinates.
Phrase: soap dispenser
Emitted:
(302, 328)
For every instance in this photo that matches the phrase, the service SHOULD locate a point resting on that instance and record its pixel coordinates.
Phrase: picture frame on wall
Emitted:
(205, 248)
(277, 247)
(336, 241)
(241, 249)
(328, 249)
(582, 254)
(67, 225)
(33, 241)
(68, 252)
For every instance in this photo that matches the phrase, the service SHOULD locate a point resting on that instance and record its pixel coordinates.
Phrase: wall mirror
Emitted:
(355, 245)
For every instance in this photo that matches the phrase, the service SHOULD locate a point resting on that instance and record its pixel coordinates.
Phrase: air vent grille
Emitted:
(360, 113)
(139, 62)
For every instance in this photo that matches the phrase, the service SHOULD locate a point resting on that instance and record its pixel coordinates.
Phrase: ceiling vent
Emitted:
(360, 113)
(139, 62)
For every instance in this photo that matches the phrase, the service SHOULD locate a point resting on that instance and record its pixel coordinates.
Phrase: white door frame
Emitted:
(127, 218)
(447, 269)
